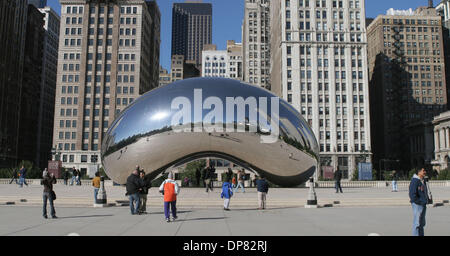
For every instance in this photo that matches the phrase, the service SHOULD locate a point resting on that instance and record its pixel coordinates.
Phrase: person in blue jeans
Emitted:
(74, 176)
(134, 186)
(394, 181)
(418, 196)
(22, 173)
(240, 184)
(47, 181)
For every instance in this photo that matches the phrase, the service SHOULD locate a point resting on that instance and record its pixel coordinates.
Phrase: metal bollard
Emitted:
(101, 201)
(312, 198)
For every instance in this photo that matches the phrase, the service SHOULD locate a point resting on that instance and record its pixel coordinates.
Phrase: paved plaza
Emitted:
(358, 212)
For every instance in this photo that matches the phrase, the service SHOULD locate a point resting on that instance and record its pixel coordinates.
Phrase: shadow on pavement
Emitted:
(209, 218)
(88, 216)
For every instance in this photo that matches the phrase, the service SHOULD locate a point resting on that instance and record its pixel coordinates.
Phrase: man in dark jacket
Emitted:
(144, 192)
(207, 178)
(198, 175)
(134, 186)
(22, 173)
(337, 178)
(48, 181)
(418, 196)
(263, 188)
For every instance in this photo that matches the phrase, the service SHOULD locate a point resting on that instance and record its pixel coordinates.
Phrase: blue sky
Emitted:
(228, 15)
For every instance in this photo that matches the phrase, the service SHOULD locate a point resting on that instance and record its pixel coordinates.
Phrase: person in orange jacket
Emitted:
(170, 189)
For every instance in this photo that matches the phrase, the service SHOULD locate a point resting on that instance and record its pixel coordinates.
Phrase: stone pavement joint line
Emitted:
(82, 196)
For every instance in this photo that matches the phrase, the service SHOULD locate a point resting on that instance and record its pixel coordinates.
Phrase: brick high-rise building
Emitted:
(319, 65)
(103, 66)
(191, 29)
(407, 85)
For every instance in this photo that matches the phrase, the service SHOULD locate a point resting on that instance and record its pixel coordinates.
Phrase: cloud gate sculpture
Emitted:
(211, 117)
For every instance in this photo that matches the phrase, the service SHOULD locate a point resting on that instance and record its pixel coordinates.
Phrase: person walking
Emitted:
(96, 185)
(169, 188)
(337, 178)
(263, 188)
(78, 177)
(418, 195)
(227, 193)
(134, 185)
(144, 192)
(74, 176)
(240, 178)
(14, 177)
(47, 182)
(394, 181)
(233, 182)
(22, 175)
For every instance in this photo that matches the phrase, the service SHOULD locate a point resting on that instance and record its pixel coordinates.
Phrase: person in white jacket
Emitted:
(170, 189)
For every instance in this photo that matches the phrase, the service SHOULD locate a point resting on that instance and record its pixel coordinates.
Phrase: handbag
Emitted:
(53, 195)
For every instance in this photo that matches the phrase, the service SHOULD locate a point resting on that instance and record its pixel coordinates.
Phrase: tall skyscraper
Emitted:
(103, 66)
(256, 43)
(48, 86)
(319, 65)
(443, 9)
(191, 29)
(13, 21)
(31, 85)
(38, 3)
(407, 86)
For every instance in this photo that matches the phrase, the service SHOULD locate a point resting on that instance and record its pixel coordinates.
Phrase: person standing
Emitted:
(418, 195)
(14, 178)
(212, 176)
(197, 176)
(65, 177)
(394, 181)
(207, 178)
(144, 192)
(204, 174)
(263, 189)
(48, 181)
(22, 174)
(96, 185)
(337, 178)
(169, 188)
(134, 185)
(229, 175)
(227, 193)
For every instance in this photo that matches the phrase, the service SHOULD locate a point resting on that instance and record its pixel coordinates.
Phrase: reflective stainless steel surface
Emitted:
(143, 134)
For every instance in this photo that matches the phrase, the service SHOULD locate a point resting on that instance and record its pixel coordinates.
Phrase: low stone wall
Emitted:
(318, 184)
(376, 184)
(108, 183)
